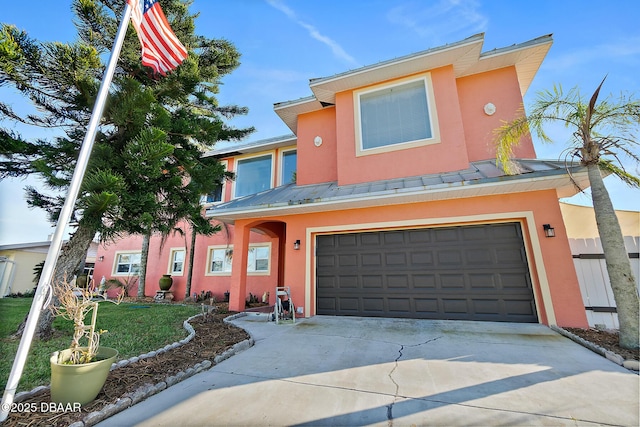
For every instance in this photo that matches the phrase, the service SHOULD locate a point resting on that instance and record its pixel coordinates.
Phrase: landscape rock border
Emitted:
(149, 390)
(632, 365)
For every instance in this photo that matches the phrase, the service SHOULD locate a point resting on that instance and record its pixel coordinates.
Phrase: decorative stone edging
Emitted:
(632, 365)
(149, 390)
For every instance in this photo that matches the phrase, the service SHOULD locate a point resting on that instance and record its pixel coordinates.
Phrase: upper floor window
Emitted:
(289, 167)
(214, 197)
(396, 116)
(127, 263)
(177, 261)
(253, 175)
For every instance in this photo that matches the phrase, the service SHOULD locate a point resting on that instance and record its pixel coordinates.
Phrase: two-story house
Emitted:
(387, 201)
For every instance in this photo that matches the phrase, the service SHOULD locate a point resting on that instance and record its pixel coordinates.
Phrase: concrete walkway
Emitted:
(393, 372)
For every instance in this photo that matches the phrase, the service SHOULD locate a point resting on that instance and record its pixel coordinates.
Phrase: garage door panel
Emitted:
(347, 260)
(472, 272)
(399, 305)
(348, 305)
(373, 305)
(449, 281)
(478, 257)
(398, 281)
(424, 281)
(347, 282)
(426, 306)
(422, 259)
(372, 282)
(484, 281)
(450, 257)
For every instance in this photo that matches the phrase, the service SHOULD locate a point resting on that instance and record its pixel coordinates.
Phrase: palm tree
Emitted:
(602, 133)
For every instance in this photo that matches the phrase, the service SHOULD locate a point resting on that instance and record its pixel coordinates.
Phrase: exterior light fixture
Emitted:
(101, 258)
(549, 231)
(296, 245)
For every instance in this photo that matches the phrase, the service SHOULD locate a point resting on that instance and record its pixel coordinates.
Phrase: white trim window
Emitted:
(288, 167)
(219, 260)
(395, 116)
(127, 263)
(258, 261)
(176, 261)
(214, 197)
(217, 195)
(253, 175)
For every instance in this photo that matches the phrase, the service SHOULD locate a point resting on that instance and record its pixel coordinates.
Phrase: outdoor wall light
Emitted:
(101, 258)
(296, 245)
(549, 231)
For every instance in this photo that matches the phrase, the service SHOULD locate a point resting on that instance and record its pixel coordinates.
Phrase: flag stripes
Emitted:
(161, 49)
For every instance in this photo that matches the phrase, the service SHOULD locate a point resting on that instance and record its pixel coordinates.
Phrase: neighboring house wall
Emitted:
(16, 272)
(588, 258)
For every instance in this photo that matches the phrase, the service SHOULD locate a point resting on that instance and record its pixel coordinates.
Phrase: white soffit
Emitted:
(289, 111)
(526, 57)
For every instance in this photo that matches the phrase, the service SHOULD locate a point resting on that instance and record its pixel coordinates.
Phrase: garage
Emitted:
(477, 272)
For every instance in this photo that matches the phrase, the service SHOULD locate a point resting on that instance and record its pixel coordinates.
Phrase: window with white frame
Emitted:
(253, 175)
(289, 167)
(258, 260)
(401, 113)
(127, 263)
(220, 260)
(214, 197)
(176, 266)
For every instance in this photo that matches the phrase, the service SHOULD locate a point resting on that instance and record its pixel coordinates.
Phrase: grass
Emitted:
(134, 329)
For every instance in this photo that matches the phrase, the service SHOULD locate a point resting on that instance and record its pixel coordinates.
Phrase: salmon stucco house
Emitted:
(387, 201)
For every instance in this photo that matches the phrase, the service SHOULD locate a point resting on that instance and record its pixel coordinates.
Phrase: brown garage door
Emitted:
(468, 273)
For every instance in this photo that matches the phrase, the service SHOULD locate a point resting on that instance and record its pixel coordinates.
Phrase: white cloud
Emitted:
(335, 47)
(441, 20)
(621, 50)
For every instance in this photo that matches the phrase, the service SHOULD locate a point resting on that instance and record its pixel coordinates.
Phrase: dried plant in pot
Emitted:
(79, 372)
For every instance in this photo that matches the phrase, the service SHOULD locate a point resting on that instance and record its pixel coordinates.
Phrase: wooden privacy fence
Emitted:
(597, 295)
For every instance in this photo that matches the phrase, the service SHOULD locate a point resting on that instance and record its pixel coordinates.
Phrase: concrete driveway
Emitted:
(394, 372)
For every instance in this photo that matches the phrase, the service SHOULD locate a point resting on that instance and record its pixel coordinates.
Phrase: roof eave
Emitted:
(465, 56)
(565, 186)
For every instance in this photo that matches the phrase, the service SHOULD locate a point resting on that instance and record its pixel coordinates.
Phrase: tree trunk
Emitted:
(144, 257)
(72, 255)
(192, 252)
(617, 261)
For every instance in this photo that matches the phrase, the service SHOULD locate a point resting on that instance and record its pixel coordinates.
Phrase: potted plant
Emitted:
(79, 372)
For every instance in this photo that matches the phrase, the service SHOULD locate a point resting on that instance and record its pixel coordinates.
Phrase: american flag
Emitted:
(161, 49)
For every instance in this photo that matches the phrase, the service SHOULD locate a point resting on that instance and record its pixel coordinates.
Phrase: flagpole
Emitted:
(44, 289)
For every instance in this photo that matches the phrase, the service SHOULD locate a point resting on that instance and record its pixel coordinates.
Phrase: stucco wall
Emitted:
(555, 283)
(23, 262)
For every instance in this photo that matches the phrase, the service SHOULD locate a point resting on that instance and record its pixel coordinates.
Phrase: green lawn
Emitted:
(134, 329)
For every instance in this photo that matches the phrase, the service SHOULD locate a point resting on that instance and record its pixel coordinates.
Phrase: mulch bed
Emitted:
(212, 338)
(607, 340)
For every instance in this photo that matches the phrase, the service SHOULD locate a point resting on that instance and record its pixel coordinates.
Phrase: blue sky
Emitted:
(284, 43)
